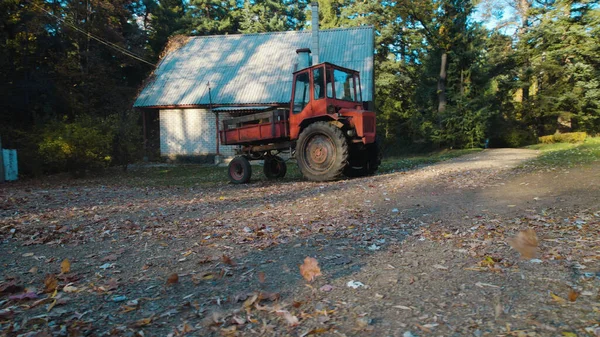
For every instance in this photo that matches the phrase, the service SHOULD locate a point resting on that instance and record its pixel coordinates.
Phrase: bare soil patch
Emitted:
(427, 250)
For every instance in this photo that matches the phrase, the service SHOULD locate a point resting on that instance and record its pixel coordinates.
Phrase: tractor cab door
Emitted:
(308, 94)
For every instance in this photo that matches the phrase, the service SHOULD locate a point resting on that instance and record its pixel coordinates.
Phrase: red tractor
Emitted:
(325, 128)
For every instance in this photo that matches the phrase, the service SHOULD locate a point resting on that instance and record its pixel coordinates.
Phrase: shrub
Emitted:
(75, 146)
(127, 142)
(517, 138)
(571, 137)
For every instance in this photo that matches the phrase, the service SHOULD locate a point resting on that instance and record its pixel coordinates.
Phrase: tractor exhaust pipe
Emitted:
(315, 32)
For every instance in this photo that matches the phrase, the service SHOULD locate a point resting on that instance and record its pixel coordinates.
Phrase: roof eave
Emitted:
(208, 106)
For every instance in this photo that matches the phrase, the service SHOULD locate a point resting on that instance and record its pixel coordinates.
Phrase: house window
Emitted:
(318, 83)
(301, 92)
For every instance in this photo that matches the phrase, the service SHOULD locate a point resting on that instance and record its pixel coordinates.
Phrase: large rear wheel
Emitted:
(322, 152)
(274, 167)
(239, 170)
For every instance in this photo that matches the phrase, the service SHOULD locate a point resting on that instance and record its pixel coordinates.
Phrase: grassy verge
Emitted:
(187, 175)
(568, 155)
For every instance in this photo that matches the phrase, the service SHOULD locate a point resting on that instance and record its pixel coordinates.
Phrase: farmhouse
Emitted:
(211, 78)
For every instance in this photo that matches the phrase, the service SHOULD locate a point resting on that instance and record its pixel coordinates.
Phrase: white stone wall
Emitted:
(190, 132)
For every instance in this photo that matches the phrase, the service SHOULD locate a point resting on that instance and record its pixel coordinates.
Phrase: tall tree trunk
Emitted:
(441, 88)
(462, 83)
(523, 7)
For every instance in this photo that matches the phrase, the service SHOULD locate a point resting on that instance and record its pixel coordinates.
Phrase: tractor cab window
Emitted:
(344, 85)
(318, 81)
(329, 84)
(301, 92)
(358, 88)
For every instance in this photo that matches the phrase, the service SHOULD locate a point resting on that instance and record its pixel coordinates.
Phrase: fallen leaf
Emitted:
(127, 308)
(291, 319)
(174, 278)
(65, 266)
(24, 296)
(111, 257)
(238, 320)
(261, 276)
(326, 288)
(526, 243)
(50, 283)
(310, 269)
(10, 287)
(557, 298)
(569, 334)
(227, 260)
(355, 284)
(573, 295)
(143, 322)
(33, 270)
(268, 296)
(248, 303)
(27, 254)
(481, 285)
(315, 331)
(70, 289)
(186, 328)
(51, 305)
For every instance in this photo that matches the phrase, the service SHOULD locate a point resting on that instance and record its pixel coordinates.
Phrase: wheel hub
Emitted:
(318, 154)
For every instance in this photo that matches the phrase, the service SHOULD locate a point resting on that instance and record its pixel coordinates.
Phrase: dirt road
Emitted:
(427, 250)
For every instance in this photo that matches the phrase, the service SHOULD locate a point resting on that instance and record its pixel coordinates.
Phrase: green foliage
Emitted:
(516, 138)
(127, 141)
(76, 146)
(571, 137)
(568, 154)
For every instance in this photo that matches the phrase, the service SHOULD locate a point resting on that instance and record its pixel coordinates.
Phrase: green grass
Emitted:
(568, 155)
(189, 175)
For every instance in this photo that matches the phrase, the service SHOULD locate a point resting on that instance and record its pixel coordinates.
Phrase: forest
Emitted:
(449, 73)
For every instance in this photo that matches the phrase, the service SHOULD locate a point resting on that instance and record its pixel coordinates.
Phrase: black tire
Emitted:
(352, 171)
(239, 170)
(322, 152)
(373, 158)
(274, 168)
(363, 161)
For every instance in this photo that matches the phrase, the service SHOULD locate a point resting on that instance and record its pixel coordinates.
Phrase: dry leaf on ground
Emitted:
(227, 260)
(261, 276)
(50, 283)
(310, 269)
(526, 243)
(65, 266)
(174, 278)
(573, 295)
(291, 319)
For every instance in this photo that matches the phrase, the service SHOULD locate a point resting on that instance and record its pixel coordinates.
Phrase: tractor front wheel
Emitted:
(239, 170)
(274, 167)
(322, 152)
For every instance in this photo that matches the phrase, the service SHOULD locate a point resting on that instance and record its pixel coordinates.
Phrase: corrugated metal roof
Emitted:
(251, 68)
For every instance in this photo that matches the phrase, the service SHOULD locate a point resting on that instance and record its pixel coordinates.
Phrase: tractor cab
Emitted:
(328, 92)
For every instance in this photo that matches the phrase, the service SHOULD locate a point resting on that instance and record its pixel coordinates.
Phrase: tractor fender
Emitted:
(325, 118)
